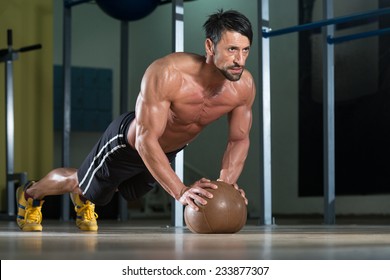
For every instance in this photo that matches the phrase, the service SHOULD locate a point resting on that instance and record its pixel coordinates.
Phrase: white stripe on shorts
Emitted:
(93, 172)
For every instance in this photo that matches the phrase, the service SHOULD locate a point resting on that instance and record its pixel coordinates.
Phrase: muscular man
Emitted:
(180, 95)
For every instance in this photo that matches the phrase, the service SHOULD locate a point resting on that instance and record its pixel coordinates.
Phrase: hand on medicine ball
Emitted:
(196, 192)
(242, 192)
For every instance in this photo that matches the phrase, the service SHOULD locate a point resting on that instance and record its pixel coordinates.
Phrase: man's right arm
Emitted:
(152, 111)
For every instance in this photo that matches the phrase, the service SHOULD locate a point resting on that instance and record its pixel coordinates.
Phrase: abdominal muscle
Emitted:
(187, 118)
(175, 136)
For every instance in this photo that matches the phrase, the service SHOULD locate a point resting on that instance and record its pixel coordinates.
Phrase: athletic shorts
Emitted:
(114, 165)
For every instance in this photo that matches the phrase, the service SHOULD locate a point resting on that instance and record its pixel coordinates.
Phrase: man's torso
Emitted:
(194, 105)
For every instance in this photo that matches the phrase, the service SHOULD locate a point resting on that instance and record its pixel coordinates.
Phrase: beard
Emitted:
(231, 76)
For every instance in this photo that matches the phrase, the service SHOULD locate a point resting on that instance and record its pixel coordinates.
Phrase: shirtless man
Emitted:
(180, 95)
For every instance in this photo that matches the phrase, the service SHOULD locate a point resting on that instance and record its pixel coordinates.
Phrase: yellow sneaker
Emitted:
(29, 216)
(86, 216)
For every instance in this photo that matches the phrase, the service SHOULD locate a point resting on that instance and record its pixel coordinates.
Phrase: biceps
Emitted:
(240, 123)
(151, 118)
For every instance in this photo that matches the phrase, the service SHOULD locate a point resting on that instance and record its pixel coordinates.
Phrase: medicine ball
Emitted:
(226, 212)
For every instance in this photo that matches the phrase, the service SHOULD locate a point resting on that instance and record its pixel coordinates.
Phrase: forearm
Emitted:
(234, 160)
(158, 165)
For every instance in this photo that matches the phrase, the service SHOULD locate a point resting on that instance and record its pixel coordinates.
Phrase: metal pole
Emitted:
(265, 110)
(178, 46)
(328, 117)
(124, 99)
(66, 67)
(124, 66)
(362, 35)
(10, 128)
(327, 21)
(8, 56)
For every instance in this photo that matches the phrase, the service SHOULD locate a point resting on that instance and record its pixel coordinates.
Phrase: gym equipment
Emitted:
(127, 10)
(7, 56)
(226, 212)
(266, 32)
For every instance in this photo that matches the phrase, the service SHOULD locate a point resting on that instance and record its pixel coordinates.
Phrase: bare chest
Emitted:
(196, 109)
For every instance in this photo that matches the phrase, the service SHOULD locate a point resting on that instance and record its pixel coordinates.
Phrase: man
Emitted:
(180, 95)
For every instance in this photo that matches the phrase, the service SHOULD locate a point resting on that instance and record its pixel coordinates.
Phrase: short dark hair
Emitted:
(230, 20)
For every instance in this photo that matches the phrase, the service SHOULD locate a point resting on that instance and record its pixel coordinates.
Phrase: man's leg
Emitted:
(137, 186)
(29, 198)
(62, 181)
(58, 181)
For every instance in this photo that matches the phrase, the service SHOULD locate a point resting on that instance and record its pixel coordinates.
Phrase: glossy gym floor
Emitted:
(155, 239)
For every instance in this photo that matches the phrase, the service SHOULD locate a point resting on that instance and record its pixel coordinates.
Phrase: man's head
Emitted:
(228, 39)
(227, 21)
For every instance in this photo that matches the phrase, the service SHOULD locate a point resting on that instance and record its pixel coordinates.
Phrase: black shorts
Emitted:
(114, 165)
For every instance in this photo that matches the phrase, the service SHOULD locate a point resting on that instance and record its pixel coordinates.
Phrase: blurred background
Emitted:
(361, 88)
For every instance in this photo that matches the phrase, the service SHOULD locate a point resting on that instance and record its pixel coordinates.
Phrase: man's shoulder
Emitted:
(182, 55)
(179, 61)
(180, 58)
(246, 85)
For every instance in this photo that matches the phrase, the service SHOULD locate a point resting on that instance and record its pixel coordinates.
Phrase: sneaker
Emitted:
(29, 216)
(86, 216)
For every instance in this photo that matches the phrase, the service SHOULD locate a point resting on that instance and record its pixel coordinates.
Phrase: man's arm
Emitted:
(158, 89)
(240, 122)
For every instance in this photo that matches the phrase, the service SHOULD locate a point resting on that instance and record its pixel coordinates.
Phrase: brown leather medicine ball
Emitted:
(224, 213)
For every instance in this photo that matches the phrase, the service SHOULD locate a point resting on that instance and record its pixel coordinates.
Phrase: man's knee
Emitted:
(101, 200)
(71, 183)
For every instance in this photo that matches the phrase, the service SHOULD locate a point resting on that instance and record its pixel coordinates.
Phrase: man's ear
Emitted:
(209, 46)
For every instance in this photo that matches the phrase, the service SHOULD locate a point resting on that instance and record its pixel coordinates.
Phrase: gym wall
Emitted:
(32, 23)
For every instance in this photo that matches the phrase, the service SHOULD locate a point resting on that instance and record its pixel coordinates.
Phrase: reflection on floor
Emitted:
(154, 239)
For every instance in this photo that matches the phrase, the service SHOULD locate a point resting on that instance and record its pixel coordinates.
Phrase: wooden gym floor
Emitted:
(153, 239)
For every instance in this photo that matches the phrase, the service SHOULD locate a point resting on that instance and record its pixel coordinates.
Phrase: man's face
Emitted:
(230, 54)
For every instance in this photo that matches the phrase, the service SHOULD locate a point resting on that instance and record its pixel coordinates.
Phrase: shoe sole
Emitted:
(19, 191)
(88, 229)
(36, 228)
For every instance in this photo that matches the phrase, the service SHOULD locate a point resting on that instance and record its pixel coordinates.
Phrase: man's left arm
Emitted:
(237, 147)
(240, 122)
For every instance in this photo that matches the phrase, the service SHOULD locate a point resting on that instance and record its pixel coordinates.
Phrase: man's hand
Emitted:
(197, 191)
(242, 193)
